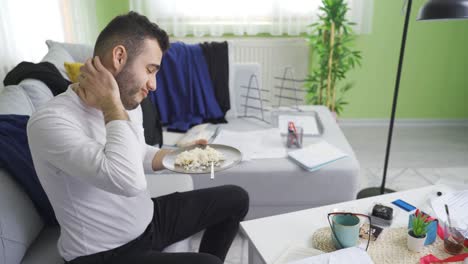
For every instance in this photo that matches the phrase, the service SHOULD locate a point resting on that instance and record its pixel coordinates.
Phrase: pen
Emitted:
(292, 129)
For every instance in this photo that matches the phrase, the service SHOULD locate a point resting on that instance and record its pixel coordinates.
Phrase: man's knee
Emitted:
(205, 258)
(241, 197)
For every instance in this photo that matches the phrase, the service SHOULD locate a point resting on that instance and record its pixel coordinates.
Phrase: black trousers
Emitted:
(177, 216)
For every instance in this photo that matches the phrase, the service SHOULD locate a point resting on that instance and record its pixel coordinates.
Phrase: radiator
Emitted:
(273, 55)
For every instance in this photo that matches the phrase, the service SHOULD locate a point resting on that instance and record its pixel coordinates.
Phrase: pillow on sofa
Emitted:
(57, 55)
(79, 52)
(73, 70)
(14, 100)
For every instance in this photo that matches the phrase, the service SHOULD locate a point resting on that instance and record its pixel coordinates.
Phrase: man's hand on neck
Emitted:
(98, 88)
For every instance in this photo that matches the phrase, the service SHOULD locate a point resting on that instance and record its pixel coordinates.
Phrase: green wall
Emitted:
(108, 9)
(434, 81)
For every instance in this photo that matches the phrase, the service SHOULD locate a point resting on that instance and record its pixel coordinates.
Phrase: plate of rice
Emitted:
(198, 158)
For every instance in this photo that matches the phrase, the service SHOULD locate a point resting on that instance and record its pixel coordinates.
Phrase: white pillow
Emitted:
(79, 52)
(57, 55)
(14, 100)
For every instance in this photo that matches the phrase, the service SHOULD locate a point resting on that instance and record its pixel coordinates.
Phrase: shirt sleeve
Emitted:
(114, 166)
(148, 159)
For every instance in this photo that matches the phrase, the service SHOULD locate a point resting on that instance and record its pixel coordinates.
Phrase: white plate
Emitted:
(232, 157)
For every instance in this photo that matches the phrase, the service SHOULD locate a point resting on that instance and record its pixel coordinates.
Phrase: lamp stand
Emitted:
(374, 191)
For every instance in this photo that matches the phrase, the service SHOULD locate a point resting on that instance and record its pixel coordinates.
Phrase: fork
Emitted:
(212, 171)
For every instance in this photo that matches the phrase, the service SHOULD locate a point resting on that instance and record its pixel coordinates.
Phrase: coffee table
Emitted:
(269, 237)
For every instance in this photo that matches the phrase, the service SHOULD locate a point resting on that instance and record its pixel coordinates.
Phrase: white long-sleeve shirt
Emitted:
(93, 174)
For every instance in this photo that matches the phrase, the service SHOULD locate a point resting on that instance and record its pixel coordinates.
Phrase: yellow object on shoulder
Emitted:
(73, 70)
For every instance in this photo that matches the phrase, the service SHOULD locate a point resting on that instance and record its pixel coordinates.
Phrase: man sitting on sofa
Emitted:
(90, 157)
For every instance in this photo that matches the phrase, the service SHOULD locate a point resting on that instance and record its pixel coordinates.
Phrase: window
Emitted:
(242, 17)
(26, 25)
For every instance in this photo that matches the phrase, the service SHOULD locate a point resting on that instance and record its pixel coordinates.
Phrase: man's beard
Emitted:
(128, 88)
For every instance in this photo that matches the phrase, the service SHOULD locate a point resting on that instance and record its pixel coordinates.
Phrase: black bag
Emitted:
(151, 123)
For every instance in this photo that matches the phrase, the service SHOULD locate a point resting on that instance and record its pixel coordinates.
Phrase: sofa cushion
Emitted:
(163, 184)
(20, 223)
(11, 251)
(37, 91)
(14, 100)
(44, 248)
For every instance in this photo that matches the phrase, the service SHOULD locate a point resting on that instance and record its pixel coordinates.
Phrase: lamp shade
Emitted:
(444, 9)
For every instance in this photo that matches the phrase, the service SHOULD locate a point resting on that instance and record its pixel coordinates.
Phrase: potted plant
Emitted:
(330, 42)
(417, 232)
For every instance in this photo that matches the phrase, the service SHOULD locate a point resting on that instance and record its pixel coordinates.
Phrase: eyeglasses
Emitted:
(361, 221)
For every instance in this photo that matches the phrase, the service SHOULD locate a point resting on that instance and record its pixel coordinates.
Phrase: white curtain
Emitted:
(243, 17)
(80, 22)
(25, 25)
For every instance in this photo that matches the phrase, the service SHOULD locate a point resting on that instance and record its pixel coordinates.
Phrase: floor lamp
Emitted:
(432, 10)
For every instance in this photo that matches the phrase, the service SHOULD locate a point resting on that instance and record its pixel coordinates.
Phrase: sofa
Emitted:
(24, 238)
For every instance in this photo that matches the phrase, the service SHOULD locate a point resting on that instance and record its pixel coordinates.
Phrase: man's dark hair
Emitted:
(130, 30)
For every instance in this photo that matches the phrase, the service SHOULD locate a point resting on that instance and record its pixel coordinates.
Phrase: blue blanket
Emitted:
(185, 94)
(15, 158)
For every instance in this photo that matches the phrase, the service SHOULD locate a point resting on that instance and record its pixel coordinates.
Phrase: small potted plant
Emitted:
(417, 232)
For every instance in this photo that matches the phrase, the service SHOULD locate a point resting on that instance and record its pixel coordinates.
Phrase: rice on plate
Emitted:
(199, 158)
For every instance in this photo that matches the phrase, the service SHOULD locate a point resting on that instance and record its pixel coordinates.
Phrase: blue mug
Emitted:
(345, 231)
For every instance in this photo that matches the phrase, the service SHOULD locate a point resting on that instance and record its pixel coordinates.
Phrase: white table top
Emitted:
(271, 236)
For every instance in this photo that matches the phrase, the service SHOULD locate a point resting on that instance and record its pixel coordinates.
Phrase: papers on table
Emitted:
(258, 144)
(351, 255)
(315, 156)
(308, 124)
(458, 206)
(202, 131)
(268, 144)
(171, 138)
(294, 253)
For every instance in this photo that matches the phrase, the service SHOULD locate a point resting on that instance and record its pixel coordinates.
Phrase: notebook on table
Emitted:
(316, 156)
